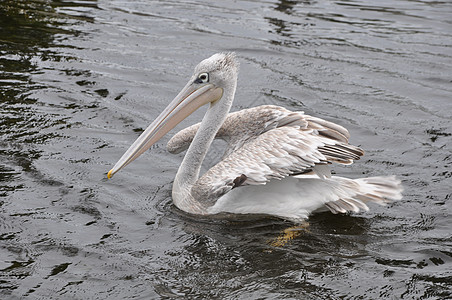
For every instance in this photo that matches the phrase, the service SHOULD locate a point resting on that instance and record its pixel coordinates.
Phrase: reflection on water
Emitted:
(81, 79)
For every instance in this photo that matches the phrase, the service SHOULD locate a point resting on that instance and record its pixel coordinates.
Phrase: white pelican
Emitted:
(276, 163)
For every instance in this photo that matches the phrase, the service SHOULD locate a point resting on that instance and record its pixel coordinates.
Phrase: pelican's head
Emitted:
(220, 69)
(211, 78)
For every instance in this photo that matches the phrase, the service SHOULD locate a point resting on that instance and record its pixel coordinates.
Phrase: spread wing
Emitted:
(268, 142)
(275, 154)
(245, 125)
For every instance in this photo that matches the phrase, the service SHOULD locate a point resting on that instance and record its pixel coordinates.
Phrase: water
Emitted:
(81, 79)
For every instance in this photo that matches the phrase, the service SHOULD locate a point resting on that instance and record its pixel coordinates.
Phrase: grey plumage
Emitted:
(267, 142)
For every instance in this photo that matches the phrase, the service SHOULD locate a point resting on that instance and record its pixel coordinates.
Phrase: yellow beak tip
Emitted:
(110, 174)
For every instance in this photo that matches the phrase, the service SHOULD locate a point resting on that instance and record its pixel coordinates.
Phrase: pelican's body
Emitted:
(276, 163)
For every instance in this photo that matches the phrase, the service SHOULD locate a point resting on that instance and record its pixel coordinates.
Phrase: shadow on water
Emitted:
(245, 252)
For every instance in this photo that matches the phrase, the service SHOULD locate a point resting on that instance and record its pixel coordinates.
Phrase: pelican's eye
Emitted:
(202, 78)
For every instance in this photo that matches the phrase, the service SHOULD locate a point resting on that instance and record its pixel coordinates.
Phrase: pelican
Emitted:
(277, 162)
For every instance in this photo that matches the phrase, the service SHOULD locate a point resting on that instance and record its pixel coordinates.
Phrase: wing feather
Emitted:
(275, 154)
(243, 126)
(270, 142)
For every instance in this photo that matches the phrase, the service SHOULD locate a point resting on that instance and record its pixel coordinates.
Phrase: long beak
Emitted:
(186, 102)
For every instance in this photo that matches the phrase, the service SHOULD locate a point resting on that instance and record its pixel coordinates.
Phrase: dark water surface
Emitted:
(80, 80)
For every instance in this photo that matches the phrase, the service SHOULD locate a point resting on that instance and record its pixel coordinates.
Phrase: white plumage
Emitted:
(276, 163)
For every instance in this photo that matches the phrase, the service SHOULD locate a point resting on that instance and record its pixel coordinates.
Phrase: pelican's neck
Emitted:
(189, 170)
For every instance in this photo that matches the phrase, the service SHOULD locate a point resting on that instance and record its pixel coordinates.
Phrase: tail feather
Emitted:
(359, 192)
